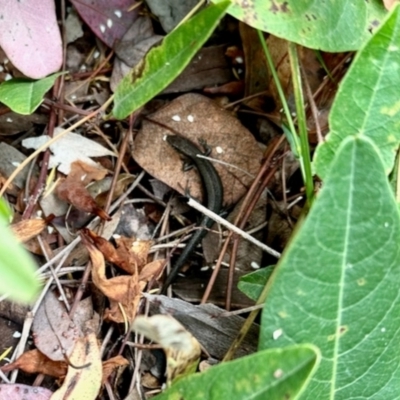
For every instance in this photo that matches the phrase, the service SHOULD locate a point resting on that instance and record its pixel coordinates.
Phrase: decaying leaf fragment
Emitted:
(83, 380)
(129, 254)
(27, 229)
(181, 348)
(124, 292)
(35, 362)
(73, 188)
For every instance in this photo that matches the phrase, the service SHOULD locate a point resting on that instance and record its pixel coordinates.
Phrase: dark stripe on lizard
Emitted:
(213, 196)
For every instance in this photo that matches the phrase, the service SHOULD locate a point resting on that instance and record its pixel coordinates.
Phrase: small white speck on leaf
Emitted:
(176, 118)
(102, 28)
(278, 373)
(118, 13)
(254, 265)
(109, 22)
(383, 330)
(9, 119)
(219, 150)
(277, 334)
(190, 118)
(17, 335)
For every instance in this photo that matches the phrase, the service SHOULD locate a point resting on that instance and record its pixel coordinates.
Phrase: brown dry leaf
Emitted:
(111, 364)
(129, 254)
(197, 117)
(212, 327)
(12, 123)
(122, 291)
(35, 362)
(27, 229)
(121, 258)
(74, 191)
(54, 332)
(257, 77)
(181, 347)
(83, 380)
(86, 173)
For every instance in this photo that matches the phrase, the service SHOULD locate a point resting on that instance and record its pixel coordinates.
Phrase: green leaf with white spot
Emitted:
(165, 62)
(339, 25)
(271, 374)
(23, 95)
(337, 284)
(368, 102)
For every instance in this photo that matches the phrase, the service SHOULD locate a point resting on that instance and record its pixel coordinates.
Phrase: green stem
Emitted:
(301, 122)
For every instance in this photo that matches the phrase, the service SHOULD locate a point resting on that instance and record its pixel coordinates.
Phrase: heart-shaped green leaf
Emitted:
(368, 101)
(25, 95)
(337, 285)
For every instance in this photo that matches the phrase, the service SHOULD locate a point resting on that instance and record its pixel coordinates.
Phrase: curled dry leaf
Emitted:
(181, 347)
(129, 254)
(73, 188)
(27, 229)
(122, 291)
(35, 362)
(111, 364)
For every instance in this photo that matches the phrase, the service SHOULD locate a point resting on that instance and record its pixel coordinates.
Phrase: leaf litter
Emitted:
(102, 273)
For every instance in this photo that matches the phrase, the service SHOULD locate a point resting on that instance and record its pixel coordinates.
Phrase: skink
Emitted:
(213, 196)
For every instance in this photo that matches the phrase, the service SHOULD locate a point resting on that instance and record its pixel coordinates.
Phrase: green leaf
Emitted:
(337, 284)
(17, 269)
(252, 284)
(165, 62)
(368, 102)
(23, 95)
(339, 25)
(271, 374)
(5, 212)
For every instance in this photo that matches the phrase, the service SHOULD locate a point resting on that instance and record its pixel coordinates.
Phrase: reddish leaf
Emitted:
(30, 36)
(35, 362)
(108, 19)
(21, 392)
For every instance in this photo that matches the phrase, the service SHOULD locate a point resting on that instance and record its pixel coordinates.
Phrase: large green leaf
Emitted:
(339, 25)
(253, 284)
(165, 62)
(24, 95)
(337, 285)
(368, 101)
(17, 269)
(272, 374)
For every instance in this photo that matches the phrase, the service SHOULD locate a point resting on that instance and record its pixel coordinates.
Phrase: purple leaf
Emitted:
(30, 36)
(108, 19)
